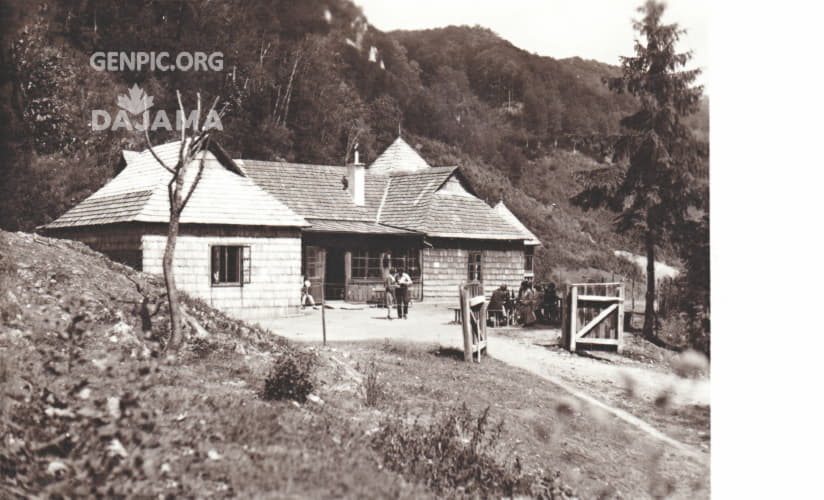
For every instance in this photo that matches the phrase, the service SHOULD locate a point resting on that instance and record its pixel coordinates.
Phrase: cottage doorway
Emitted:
(314, 265)
(335, 274)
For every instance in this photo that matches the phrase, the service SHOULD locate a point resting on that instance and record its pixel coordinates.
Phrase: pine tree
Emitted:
(656, 188)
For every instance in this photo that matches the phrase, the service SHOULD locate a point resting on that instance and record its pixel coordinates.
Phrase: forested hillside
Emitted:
(303, 81)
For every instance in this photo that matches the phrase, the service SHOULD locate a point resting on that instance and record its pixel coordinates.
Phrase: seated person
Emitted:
(306, 295)
(497, 303)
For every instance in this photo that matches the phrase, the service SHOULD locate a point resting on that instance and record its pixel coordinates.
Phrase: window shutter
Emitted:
(247, 264)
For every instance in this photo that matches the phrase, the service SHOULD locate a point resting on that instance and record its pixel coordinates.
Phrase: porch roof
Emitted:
(353, 226)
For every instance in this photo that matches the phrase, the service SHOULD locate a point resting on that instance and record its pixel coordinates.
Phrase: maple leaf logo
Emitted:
(136, 102)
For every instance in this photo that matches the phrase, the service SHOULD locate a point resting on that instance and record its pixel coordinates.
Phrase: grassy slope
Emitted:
(196, 425)
(598, 455)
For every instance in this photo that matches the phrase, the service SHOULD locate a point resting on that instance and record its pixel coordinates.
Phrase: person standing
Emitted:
(402, 294)
(389, 296)
(551, 303)
(526, 304)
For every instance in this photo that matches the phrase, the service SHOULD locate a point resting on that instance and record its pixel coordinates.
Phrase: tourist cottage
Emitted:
(253, 229)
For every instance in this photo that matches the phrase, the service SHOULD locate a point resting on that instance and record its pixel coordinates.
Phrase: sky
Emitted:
(590, 29)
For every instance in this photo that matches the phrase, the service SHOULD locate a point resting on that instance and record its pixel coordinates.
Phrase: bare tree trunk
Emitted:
(189, 150)
(168, 264)
(649, 308)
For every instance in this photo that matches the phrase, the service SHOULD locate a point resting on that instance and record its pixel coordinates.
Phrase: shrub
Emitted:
(456, 451)
(290, 376)
(373, 389)
(202, 348)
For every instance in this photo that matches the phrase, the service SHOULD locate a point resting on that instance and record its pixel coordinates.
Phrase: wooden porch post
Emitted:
(347, 273)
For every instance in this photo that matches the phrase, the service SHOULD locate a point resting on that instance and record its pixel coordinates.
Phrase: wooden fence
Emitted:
(593, 315)
(473, 320)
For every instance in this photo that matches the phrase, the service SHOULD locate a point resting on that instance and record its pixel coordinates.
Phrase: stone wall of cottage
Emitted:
(444, 269)
(275, 284)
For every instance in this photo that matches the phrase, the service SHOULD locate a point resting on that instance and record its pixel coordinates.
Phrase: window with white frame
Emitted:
(529, 260)
(231, 265)
(475, 263)
(366, 264)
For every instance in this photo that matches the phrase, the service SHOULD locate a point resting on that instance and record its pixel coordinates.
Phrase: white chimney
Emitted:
(356, 172)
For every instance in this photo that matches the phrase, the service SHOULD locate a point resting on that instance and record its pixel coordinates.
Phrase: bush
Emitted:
(456, 451)
(290, 376)
(373, 389)
(202, 348)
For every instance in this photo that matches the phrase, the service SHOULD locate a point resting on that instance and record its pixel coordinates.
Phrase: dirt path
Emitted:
(570, 372)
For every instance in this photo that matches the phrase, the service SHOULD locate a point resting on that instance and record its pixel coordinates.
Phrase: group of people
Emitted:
(397, 284)
(532, 303)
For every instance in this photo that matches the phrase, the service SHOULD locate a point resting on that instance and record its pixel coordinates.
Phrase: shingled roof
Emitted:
(398, 157)
(507, 214)
(354, 226)
(408, 197)
(316, 191)
(403, 195)
(434, 202)
(139, 194)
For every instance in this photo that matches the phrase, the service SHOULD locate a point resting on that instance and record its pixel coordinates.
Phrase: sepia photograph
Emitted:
(355, 249)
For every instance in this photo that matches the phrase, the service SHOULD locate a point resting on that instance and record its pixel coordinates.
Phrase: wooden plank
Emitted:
(599, 298)
(596, 284)
(474, 301)
(588, 340)
(598, 319)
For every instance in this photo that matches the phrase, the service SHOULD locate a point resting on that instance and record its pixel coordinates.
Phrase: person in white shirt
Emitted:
(402, 293)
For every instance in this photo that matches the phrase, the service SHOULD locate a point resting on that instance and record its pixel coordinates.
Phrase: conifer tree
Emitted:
(655, 189)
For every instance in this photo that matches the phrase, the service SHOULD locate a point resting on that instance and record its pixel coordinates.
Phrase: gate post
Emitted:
(466, 325)
(573, 317)
(620, 317)
(482, 341)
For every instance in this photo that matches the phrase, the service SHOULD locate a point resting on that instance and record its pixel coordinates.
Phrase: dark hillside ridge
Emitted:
(300, 80)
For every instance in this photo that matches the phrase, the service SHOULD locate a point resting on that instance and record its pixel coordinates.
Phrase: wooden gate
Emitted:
(473, 320)
(594, 315)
